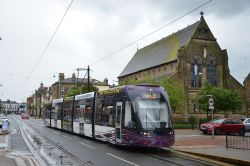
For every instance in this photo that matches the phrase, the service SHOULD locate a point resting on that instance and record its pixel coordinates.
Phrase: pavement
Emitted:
(12, 158)
(194, 143)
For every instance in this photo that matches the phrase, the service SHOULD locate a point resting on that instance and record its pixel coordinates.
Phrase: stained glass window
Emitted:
(211, 70)
(196, 71)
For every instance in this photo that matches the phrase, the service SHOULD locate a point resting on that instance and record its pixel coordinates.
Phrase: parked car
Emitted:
(246, 121)
(3, 119)
(226, 125)
(25, 116)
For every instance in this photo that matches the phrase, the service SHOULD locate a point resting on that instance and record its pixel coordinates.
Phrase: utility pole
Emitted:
(77, 84)
(88, 73)
(88, 79)
(36, 102)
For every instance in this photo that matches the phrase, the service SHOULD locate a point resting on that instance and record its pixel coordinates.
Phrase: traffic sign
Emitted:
(211, 107)
(210, 102)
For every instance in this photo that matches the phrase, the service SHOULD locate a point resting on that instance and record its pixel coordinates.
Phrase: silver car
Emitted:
(246, 121)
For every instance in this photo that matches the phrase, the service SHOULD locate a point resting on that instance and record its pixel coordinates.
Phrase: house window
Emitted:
(196, 71)
(211, 70)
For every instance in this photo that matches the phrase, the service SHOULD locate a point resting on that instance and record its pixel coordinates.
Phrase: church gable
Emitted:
(203, 32)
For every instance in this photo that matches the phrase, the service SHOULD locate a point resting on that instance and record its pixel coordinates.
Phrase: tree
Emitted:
(73, 91)
(173, 86)
(176, 93)
(76, 90)
(224, 99)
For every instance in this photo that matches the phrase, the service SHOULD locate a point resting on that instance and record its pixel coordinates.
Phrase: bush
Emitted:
(192, 121)
(203, 120)
(182, 126)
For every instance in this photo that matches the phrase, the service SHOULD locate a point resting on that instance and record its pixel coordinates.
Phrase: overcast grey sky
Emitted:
(93, 29)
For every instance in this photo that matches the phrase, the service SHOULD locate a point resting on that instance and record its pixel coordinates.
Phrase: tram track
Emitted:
(183, 163)
(165, 159)
(186, 159)
(59, 146)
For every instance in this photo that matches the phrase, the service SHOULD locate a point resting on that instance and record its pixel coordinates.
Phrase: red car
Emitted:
(227, 126)
(25, 116)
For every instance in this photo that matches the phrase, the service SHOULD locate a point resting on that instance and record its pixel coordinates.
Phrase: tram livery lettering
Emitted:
(110, 91)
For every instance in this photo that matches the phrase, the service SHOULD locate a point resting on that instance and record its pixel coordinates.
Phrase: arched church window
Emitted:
(196, 71)
(211, 70)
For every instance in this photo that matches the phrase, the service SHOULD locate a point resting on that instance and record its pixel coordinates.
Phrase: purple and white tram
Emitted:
(136, 115)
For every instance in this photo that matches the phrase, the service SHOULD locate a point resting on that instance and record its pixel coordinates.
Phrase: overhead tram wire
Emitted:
(46, 48)
(158, 29)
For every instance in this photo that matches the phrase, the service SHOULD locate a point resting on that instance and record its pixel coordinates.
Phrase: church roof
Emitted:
(160, 52)
(247, 79)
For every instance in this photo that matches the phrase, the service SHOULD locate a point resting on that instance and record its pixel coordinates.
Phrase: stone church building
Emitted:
(192, 55)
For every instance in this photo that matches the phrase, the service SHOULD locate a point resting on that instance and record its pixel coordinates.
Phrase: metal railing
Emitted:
(238, 142)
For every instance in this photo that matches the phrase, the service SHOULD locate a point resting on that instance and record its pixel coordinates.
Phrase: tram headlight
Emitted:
(145, 133)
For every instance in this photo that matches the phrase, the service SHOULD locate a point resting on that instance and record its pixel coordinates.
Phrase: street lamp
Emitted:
(0, 99)
(1, 85)
(211, 107)
(59, 85)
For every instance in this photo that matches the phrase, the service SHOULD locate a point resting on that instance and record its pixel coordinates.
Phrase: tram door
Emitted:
(118, 119)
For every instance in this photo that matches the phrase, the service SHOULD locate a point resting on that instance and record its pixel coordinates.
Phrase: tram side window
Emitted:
(59, 111)
(108, 115)
(98, 117)
(105, 113)
(88, 111)
(76, 112)
(66, 111)
(53, 113)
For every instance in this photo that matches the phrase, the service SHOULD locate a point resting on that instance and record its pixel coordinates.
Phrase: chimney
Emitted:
(61, 76)
(73, 77)
(105, 81)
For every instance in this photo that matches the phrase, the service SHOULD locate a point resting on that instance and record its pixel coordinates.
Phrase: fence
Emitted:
(238, 142)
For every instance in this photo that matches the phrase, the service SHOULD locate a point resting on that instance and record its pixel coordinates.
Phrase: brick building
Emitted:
(65, 84)
(246, 84)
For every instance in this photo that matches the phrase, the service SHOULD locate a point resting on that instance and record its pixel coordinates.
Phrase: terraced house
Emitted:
(192, 55)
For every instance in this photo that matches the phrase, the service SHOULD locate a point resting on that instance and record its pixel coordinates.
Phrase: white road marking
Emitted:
(13, 131)
(4, 144)
(55, 132)
(122, 159)
(87, 145)
(67, 137)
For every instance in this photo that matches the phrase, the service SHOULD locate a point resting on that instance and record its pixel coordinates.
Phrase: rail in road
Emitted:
(89, 152)
(34, 143)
